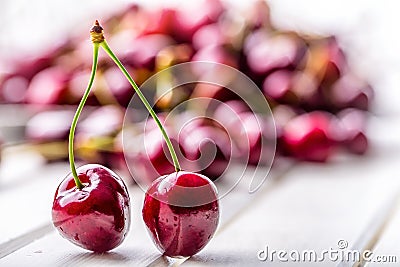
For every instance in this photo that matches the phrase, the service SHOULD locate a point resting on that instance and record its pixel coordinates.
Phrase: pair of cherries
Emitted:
(91, 206)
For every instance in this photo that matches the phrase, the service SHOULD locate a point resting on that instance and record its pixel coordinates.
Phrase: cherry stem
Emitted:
(78, 112)
(99, 38)
(171, 149)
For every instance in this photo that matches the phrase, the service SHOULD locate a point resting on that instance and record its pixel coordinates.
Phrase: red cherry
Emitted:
(308, 137)
(96, 217)
(181, 212)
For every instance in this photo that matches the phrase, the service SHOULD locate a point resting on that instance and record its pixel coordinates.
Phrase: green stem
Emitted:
(78, 182)
(106, 48)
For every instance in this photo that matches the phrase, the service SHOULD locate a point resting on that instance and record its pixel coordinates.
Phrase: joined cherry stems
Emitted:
(98, 40)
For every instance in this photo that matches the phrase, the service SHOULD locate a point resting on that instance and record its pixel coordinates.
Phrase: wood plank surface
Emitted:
(52, 250)
(314, 207)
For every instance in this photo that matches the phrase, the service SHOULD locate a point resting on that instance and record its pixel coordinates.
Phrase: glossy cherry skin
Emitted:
(181, 212)
(97, 217)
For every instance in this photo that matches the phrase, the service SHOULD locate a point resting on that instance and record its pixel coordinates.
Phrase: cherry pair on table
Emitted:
(91, 206)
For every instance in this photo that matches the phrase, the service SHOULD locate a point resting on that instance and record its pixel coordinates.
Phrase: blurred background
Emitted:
(367, 29)
(324, 67)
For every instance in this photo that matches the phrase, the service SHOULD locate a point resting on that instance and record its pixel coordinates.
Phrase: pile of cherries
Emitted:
(319, 104)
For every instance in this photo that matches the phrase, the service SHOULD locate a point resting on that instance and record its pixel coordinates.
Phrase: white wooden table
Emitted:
(302, 206)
